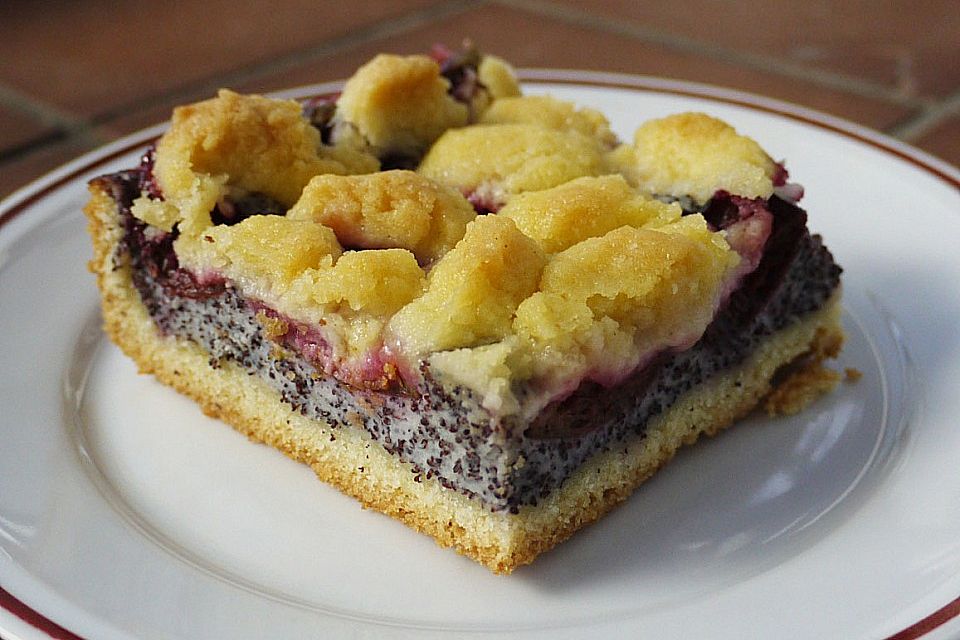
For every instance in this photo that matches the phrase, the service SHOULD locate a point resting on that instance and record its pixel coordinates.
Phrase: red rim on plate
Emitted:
(917, 158)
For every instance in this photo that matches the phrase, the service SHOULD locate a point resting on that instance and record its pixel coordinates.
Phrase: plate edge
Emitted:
(33, 619)
(21, 200)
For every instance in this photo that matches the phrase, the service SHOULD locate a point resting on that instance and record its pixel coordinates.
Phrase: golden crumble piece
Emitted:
(264, 254)
(664, 284)
(273, 327)
(376, 281)
(562, 338)
(801, 389)
(398, 105)
(391, 209)
(156, 213)
(693, 154)
(250, 143)
(496, 161)
(561, 217)
(473, 290)
(560, 334)
(551, 318)
(851, 374)
(623, 160)
(495, 79)
(498, 77)
(487, 370)
(549, 112)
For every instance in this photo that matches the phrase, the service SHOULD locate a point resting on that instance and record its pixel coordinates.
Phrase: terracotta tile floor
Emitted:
(77, 74)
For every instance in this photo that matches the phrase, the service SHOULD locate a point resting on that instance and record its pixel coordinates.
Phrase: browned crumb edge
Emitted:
(805, 379)
(351, 461)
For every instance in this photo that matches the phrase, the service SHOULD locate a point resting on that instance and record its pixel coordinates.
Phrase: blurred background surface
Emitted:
(78, 73)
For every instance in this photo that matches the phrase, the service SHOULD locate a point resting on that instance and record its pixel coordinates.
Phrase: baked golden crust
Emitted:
(587, 207)
(547, 111)
(348, 459)
(380, 257)
(388, 209)
(246, 143)
(507, 159)
(695, 155)
(399, 104)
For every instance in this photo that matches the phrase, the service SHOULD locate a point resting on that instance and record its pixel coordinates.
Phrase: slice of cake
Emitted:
(474, 311)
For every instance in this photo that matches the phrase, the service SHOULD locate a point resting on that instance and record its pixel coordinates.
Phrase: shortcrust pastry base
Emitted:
(358, 466)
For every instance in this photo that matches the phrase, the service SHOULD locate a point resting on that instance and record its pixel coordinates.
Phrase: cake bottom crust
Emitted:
(358, 466)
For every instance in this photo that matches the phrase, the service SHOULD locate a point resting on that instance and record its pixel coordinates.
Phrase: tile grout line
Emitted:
(684, 44)
(66, 124)
(345, 42)
(39, 142)
(68, 127)
(86, 130)
(914, 128)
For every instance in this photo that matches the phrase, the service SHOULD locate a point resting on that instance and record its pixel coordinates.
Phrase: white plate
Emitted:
(125, 513)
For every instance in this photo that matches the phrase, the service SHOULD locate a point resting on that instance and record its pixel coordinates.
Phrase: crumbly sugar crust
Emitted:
(396, 267)
(351, 461)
